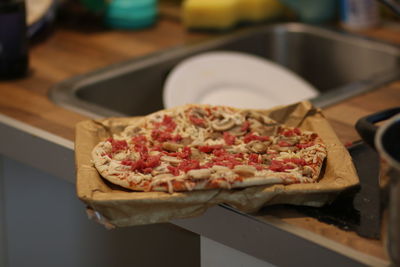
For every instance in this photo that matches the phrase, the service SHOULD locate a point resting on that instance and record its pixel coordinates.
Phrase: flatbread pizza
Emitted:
(199, 147)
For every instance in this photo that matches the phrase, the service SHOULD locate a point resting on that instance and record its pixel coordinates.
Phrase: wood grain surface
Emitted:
(72, 50)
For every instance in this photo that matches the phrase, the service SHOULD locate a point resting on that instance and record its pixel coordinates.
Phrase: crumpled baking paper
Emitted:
(114, 206)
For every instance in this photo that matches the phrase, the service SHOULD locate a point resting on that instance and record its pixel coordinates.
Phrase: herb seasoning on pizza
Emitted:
(198, 147)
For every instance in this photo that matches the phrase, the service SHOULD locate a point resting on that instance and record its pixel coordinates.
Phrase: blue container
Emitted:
(131, 14)
(359, 14)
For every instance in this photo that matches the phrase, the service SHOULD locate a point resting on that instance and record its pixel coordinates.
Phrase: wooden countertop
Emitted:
(70, 51)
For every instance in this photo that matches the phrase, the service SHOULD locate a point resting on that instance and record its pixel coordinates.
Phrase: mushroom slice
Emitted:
(218, 168)
(292, 140)
(245, 170)
(269, 130)
(257, 146)
(196, 154)
(172, 160)
(251, 114)
(199, 174)
(214, 135)
(262, 129)
(173, 147)
(237, 131)
(153, 153)
(199, 112)
(223, 124)
(199, 115)
(131, 131)
(254, 124)
(186, 141)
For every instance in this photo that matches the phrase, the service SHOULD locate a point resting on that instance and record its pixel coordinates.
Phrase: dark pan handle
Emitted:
(366, 127)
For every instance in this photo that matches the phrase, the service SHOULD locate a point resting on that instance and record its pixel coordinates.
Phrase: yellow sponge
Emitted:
(210, 13)
(258, 10)
(222, 14)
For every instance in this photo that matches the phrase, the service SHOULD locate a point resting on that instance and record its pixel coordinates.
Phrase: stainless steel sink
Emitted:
(339, 64)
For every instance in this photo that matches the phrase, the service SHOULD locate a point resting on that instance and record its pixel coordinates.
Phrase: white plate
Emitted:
(36, 9)
(234, 79)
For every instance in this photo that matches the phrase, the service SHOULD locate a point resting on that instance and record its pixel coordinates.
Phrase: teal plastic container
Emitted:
(131, 14)
(313, 11)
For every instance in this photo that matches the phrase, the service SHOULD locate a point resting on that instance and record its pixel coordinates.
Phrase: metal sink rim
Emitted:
(64, 93)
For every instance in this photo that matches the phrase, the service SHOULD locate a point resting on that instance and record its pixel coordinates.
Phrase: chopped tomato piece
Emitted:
(239, 179)
(106, 154)
(173, 170)
(227, 160)
(167, 120)
(153, 161)
(288, 133)
(229, 139)
(157, 147)
(144, 165)
(167, 124)
(259, 167)
(127, 162)
(219, 152)
(178, 185)
(176, 138)
(117, 145)
(161, 136)
(238, 155)
(139, 139)
(188, 165)
(283, 143)
(279, 166)
(251, 137)
(196, 120)
(305, 145)
(142, 150)
(297, 131)
(186, 153)
(147, 170)
(209, 149)
(276, 166)
(245, 126)
(254, 158)
(296, 161)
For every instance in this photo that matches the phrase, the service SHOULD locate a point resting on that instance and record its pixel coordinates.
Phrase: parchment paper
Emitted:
(115, 206)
